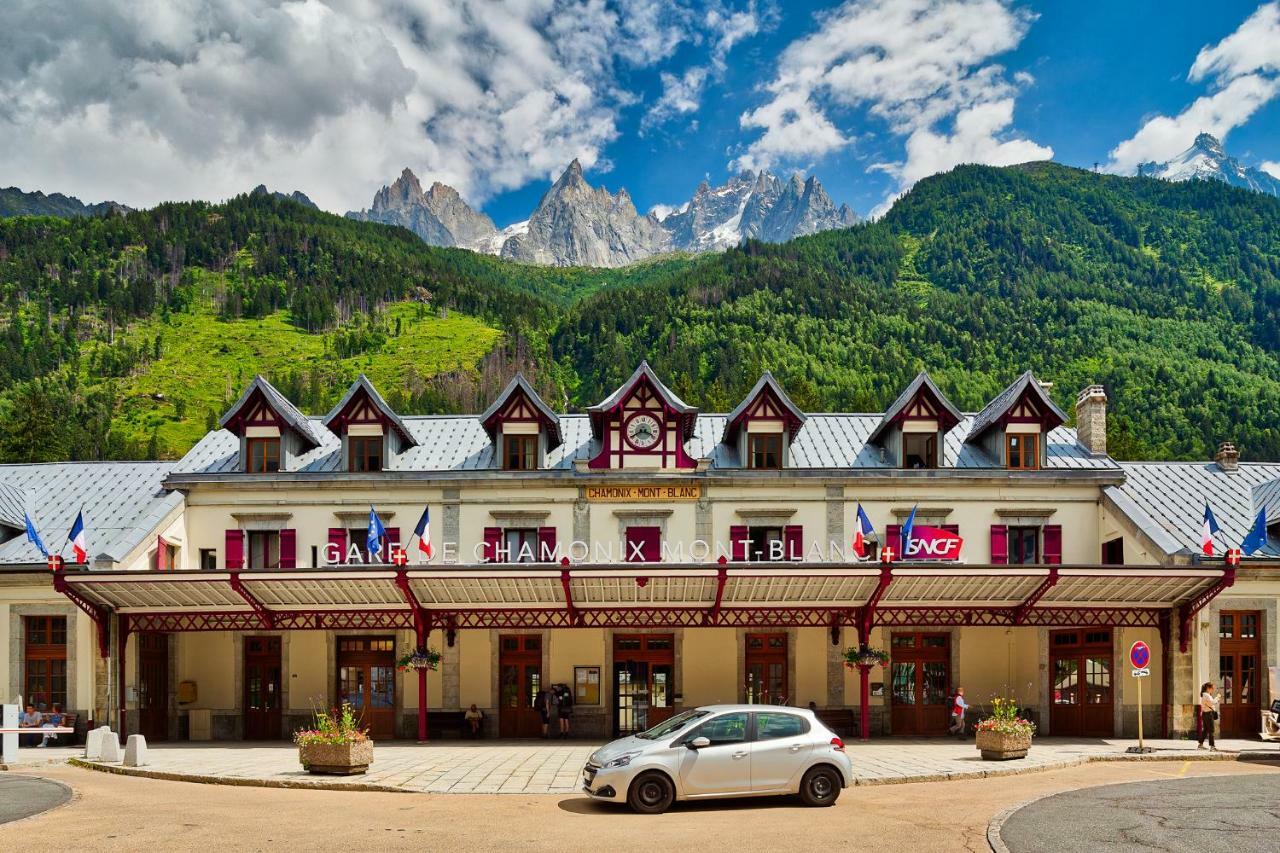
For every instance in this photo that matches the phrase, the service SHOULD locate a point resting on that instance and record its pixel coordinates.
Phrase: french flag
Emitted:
(861, 533)
(423, 532)
(77, 539)
(1209, 528)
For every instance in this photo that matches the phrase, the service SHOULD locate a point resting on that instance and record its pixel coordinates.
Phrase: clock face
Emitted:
(643, 431)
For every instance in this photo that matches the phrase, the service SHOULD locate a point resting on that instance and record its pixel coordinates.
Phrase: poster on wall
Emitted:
(586, 685)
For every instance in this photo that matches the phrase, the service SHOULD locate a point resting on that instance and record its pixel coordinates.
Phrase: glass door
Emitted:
(1238, 671)
(766, 669)
(519, 683)
(643, 681)
(366, 680)
(1080, 696)
(920, 683)
(262, 688)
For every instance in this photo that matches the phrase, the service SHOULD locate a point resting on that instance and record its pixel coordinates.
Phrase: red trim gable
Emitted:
(518, 409)
(1028, 410)
(924, 406)
(642, 381)
(360, 409)
(256, 411)
(611, 424)
(766, 407)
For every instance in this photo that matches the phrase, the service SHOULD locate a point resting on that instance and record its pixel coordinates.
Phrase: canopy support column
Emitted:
(122, 643)
(570, 610)
(865, 621)
(1166, 671)
(421, 632)
(1189, 610)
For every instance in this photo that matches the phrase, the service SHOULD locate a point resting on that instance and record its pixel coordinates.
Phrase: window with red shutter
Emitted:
(234, 548)
(793, 541)
(1053, 544)
(288, 548)
(492, 544)
(893, 539)
(337, 547)
(739, 541)
(644, 544)
(999, 544)
(546, 544)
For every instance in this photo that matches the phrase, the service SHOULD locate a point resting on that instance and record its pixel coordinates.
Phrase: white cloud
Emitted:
(1272, 168)
(1243, 73)
(918, 65)
(662, 211)
(145, 100)
(680, 96)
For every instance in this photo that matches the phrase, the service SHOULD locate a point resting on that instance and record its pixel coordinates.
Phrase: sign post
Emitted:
(1140, 657)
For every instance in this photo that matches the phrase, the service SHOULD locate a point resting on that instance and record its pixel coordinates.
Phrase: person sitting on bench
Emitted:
(30, 719)
(474, 719)
(51, 721)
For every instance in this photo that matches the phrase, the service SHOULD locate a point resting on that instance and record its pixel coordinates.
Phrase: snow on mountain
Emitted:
(1206, 160)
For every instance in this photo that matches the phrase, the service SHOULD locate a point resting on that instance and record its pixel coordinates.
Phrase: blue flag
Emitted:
(1257, 536)
(907, 528)
(34, 537)
(373, 542)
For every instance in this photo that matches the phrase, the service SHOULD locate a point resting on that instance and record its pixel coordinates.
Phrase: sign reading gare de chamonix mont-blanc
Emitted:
(650, 555)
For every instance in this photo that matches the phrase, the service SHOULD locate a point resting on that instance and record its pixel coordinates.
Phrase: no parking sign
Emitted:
(1140, 657)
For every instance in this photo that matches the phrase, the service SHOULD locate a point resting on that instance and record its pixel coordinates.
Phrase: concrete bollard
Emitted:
(135, 751)
(93, 742)
(110, 747)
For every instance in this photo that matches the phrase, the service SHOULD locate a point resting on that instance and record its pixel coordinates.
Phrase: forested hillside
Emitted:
(1168, 294)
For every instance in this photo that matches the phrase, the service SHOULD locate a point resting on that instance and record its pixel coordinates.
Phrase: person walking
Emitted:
(958, 708)
(1208, 715)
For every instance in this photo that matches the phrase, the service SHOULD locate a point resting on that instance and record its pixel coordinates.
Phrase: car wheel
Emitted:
(651, 793)
(820, 787)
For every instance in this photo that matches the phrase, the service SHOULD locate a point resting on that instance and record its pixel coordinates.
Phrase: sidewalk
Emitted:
(523, 767)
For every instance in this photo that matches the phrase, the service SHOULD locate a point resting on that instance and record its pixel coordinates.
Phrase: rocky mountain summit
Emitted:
(15, 202)
(1207, 160)
(577, 224)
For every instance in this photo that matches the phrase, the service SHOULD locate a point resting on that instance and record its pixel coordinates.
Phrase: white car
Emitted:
(722, 751)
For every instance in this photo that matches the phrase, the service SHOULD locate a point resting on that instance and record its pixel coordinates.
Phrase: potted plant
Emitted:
(856, 656)
(419, 658)
(1005, 734)
(336, 744)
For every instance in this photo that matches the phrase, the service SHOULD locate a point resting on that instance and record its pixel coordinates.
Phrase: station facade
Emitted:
(647, 555)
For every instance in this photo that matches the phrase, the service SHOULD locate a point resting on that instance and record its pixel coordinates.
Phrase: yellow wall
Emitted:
(1153, 685)
(710, 657)
(308, 674)
(476, 669)
(570, 648)
(811, 666)
(209, 660)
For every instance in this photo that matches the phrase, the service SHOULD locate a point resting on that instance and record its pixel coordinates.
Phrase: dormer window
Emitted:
(912, 430)
(365, 452)
(764, 450)
(919, 450)
(523, 429)
(520, 452)
(263, 455)
(1022, 451)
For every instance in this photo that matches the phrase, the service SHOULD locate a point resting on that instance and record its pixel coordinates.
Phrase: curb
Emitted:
(995, 772)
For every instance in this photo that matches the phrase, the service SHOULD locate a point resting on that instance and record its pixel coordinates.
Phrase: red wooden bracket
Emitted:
(1020, 612)
(265, 616)
(1189, 610)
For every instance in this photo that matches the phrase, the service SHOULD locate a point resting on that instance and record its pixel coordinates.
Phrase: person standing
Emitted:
(566, 708)
(958, 708)
(1208, 715)
(542, 704)
(553, 713)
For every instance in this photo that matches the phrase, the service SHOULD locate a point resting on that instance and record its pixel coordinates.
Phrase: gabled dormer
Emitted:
(642, 424)
(522, 427)
(1013, 427)
(372, 434)
(13, 509)
(763, 425)
(272, 432)
(914, 426)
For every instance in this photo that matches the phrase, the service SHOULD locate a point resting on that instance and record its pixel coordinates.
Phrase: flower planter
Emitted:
(338, 759)
(1002, 746)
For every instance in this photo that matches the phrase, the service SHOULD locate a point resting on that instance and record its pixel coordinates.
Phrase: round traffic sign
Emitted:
(1139, 655)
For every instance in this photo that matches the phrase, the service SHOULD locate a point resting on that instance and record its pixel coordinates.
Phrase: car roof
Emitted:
(716, 709)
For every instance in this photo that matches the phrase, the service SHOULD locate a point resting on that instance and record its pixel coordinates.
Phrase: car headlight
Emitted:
(621, 760)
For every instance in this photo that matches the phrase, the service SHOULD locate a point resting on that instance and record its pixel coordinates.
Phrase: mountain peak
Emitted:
(1209, 143)
(1207, 160)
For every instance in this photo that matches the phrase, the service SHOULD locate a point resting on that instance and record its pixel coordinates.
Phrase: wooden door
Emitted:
(519, 682)
(262, 688)
(1081, 693)
(153, 686)
(920, 677)
(366, 679)
(1239, 667)
(643, 681)
(766, 665)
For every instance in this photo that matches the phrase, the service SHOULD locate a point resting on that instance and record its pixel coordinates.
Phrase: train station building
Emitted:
(649, 556)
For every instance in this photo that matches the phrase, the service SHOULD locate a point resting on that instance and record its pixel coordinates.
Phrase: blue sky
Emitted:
(144, 102)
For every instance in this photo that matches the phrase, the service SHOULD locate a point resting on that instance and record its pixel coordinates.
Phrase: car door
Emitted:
(781, 750)
(723, 767)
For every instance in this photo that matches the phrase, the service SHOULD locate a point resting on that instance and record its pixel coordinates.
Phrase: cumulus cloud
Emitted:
(1243, 74)
(145, 100)
(1272, 168)
(923, 67)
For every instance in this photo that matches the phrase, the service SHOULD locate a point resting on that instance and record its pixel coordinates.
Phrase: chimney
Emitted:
(1091, 419)
(1227, 457)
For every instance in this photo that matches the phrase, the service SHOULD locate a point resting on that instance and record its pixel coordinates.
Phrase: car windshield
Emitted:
(673, 725)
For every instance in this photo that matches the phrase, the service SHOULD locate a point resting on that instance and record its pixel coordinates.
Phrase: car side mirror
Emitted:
(698, 743)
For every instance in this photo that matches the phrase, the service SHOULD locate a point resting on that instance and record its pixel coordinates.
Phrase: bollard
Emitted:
(110, 747)
(135, 751)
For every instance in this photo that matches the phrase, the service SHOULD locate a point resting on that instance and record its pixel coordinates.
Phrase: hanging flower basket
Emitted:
(855, 657)
(419, 659)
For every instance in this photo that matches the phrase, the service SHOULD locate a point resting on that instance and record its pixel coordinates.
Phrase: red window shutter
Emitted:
(492, 544)
(1053, 544)
(793, 541)
(288, 548)
(546, 545)
(162, 554)
(739, 536)
(393, 541)
(235, 549)
(649, 540)
(893, 539)
(338, 543)
(999, 544)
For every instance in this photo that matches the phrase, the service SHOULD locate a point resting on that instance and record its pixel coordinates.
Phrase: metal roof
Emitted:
(458, 443)
(922, 380)
(309, 428)
(122, 502)
(13, 506)
(362, 383)
(1005, 400)
(1166, 501)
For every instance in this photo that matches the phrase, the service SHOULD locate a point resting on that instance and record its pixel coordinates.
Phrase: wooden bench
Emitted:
(842, 721)
(439, 722)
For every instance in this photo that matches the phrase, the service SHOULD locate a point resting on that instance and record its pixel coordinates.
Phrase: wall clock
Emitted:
(643, 431)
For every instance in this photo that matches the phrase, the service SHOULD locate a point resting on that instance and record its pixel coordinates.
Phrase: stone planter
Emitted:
(998, 746)
(342, 759)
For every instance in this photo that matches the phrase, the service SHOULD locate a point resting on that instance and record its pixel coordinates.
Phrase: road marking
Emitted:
(1186, 765)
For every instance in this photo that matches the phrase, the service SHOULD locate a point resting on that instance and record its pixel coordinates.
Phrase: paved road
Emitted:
(23, 796)
(1237, 814)
(114, 812)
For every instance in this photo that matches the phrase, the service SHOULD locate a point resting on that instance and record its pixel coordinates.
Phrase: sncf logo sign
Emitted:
(932, 543)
